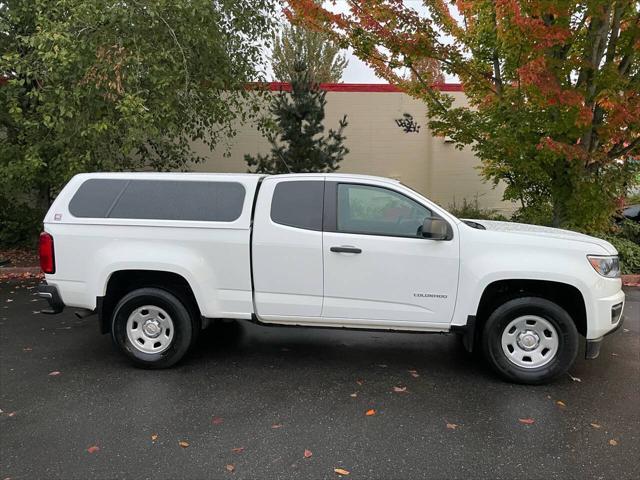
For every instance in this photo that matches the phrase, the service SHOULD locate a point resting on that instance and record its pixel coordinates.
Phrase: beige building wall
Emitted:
(379, 146)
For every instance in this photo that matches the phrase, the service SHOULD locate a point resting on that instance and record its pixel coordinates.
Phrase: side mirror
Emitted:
(436, 229)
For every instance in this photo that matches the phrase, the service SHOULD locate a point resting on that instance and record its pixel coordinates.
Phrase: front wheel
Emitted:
(530, 340)
(152, 327)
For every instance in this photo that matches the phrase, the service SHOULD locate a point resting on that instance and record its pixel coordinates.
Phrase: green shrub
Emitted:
(629, 252)
(630, 230)
(540, 214)
(19, 223)
(473, 211)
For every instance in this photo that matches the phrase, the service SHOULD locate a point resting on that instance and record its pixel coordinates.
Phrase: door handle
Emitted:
(346, 249)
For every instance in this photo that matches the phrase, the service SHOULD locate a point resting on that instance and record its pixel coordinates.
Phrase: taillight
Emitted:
(47, 258)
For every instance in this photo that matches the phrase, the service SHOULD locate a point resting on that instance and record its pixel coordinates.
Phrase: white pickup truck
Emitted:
(159, 255)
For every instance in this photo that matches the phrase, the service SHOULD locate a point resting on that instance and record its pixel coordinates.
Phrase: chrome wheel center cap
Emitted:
(152, 328)
(528, 340)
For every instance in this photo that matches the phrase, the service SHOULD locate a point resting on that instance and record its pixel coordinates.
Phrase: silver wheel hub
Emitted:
(150, 329)
(530, 341)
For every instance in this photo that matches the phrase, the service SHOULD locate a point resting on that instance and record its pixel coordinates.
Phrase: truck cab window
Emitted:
(378, 211)
(298, 204)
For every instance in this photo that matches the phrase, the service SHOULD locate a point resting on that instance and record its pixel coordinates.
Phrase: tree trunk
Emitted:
(44, 198)
(561, 192)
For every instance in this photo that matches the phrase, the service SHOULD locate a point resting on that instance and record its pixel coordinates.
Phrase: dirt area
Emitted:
(18, 257)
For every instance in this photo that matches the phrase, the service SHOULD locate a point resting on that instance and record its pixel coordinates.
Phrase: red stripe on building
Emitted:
(364, 87)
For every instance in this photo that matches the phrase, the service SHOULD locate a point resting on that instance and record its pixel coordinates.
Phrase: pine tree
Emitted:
(296, 134)
(316, 49)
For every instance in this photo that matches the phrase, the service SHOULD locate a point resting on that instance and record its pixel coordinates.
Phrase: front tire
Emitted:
(530, 340)
(152, 327)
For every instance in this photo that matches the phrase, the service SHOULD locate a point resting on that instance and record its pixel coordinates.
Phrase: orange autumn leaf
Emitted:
(526, 421)
(370, 412)
(341, 471)
(560, 403)
(183, 444)
(308, 454)
(613, 442)
(154, 437)
(230, 468)
(452, 426)
(93, 449)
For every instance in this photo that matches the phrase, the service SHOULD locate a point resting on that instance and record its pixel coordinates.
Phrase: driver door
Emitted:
(378, 268)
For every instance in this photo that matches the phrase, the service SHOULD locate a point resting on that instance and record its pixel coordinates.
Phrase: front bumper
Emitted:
(51, 295)
(592, 349)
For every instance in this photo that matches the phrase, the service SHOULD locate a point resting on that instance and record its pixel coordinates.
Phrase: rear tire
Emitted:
(153, 328)
(530, 340)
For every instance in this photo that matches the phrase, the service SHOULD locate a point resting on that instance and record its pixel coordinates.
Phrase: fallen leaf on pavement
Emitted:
(526, 421)
(452, 426)
(217, 420)
(154, 437)
(55, 373)
(237, 450)
(560, 403)
(575, 379)
(370, 412)
(230, 468)
(359, 382)
(276, 425)
(414, 373)
(400, 389)
(341, 471)
(354, 395)
(613, 442)
(308, 454)
(183, 444)
(595, 425)
(93, 449)
(11, 414)
(27, 349)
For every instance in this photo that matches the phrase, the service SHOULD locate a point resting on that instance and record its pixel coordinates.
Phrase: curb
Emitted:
(20, 272)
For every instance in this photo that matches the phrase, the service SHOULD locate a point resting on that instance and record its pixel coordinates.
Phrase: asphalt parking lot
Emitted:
(251, 400)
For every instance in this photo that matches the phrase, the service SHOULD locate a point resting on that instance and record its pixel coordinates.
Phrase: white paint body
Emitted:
(412, 284)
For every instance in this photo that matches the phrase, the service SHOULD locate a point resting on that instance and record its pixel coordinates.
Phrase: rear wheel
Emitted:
(152, 327)
(530, 340)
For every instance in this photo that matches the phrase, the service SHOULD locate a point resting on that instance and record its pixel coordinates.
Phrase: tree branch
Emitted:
(613, 153)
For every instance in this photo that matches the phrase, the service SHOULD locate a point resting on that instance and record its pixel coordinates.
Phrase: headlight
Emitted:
(607, 266)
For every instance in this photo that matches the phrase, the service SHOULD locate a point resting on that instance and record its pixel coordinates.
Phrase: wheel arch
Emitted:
(121, 282)
(565, 295)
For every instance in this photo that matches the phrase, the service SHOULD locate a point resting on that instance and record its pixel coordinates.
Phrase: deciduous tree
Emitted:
(112, 85)
(553, 87)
